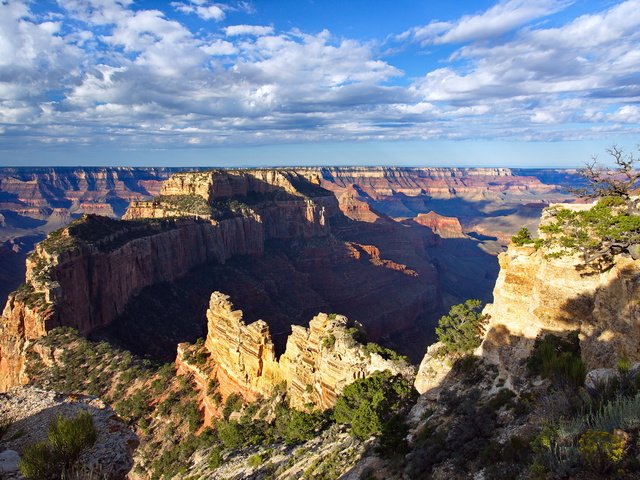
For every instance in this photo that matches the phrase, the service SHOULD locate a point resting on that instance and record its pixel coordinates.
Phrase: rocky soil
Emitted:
(30, 410)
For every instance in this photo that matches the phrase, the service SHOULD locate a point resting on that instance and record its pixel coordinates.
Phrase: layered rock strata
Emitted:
(84, 275)
(536, 293)
(444, 227)
(319, 361)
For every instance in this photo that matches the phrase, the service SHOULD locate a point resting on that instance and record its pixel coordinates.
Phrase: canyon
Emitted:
(319, 239)
(296, 282)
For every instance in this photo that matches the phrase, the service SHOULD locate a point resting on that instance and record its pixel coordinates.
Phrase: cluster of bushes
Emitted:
(589, 432)
(230, 208)
(197, 354)
(606, 229)
(377, 405)
(386, 353)
(28, 295)
(67, 438)
(104, 232)
(194, 204)
(93, 368)
(558, 359)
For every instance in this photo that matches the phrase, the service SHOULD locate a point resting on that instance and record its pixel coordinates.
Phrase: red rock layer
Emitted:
(445, 227)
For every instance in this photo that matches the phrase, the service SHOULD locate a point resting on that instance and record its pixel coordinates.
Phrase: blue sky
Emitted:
(280, 82)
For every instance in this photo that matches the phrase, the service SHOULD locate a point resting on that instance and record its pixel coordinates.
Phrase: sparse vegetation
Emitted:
(558, 359)
(600, 451)
(384, 352)
(67, 438)
(194, 204)
(523, 237)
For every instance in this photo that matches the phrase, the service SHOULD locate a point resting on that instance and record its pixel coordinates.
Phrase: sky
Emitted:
(529, 83)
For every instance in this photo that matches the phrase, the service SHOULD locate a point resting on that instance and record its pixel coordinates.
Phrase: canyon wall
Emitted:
(36, 192)
(536, 293)
(436, 182)
(84, 275)
(319, 361)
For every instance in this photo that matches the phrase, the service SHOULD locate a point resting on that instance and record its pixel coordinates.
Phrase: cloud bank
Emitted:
(98, 72)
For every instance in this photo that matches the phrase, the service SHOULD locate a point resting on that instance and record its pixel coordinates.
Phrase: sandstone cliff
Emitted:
(84, 275)
(319, 361)
(445, 227)
(436, 182)
(536, 293)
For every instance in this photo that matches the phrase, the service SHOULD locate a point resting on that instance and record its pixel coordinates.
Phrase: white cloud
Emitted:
(201, 9)
(114, 71)
(626, 114)
(252, 30)
(502, 18)
(219, 47)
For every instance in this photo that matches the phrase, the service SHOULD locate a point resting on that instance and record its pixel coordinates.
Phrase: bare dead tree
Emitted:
(601, 181)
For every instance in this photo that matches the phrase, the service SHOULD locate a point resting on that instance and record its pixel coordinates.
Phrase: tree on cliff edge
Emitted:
(606, 182)
(461, 331)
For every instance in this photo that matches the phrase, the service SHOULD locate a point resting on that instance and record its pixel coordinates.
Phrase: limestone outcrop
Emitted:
(319, 360)
(536, 293)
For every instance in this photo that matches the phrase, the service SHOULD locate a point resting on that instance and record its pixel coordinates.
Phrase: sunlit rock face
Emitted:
(444, 227)
(535, 294)
(319, 360)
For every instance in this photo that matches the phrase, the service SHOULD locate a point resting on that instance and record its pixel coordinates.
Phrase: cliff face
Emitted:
(536, 294)
(445, 227)
(36, 191)
(319, 361)
(84, 275)
(379, 182)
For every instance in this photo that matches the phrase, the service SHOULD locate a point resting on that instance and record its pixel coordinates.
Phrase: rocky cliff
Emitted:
(84, 275)
(436, 182)
(537, 293)
(445, 227)
(35, 192)
(318, 362)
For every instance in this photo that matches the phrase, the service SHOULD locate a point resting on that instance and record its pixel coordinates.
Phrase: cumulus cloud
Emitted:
(253, 30)
(201, 9)
(497, 20)
(104, 71)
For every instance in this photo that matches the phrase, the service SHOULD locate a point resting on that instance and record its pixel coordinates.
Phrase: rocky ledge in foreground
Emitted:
(26, 413)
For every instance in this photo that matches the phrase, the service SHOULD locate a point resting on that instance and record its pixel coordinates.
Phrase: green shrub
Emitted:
(230, 434)
(255, 461)
(40, 462)
(215, 458)
(558, 359)
(523, 237)
(232, 404)
(384, 352)
(368, 404)
(329, 341)
(69, 436)
(622, 412)
(462, 329)
(600, 451)
(302, 426)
